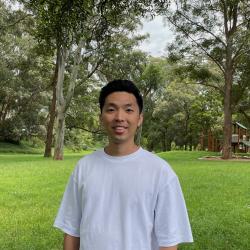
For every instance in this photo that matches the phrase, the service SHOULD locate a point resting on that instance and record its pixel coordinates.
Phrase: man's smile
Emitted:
(119, 129)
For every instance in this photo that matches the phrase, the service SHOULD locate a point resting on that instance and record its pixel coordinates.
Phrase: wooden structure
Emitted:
(210, 142)
(240, 138)
(214, 144)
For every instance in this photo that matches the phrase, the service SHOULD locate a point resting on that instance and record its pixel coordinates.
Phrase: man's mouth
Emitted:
(119, 129)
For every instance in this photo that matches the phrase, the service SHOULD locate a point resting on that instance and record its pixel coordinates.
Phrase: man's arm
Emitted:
(168, 248)
(71, 242)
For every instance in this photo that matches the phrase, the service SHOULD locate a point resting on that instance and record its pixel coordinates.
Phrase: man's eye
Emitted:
(110, 110)
(129, 110)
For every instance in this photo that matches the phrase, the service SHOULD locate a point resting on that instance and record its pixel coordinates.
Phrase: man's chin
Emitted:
(117, 140)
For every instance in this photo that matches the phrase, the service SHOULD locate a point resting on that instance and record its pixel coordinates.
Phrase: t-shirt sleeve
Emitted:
(171, 223)
(69, 215)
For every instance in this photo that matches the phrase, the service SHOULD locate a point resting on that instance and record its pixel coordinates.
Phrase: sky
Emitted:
(160, 35)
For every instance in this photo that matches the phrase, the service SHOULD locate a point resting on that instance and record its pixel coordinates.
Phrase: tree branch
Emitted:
(91, 72)
(221, 67)
(225, 17)
(203, 28)
(245, 114)
(210, 85)
(74, 73)
(18, 21)
(240, 52)
(98, 131)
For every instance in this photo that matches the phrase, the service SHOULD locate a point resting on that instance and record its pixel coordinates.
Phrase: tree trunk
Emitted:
(186, 125)
(168, 143)
(58, 154)
(164, 145)
(63, 104)
(227, 128)
(52, 115)
(60, 105)
(228, 76)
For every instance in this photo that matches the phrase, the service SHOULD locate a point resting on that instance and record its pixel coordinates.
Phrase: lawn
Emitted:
(217, 196)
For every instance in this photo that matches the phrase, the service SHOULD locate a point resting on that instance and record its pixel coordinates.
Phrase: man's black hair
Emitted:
(120, 86)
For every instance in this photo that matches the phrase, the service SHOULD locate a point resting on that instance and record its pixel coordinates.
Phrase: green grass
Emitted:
(218, 199)
(217, 194)
(22, 148)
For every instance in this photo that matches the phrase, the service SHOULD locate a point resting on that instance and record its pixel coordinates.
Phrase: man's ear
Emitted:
(140, 120)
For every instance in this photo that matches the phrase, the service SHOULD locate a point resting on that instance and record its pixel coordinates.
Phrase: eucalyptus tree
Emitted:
(22, 77)
(76, 25)
(82, 119)
(58, 26)
(104, 20)
(215, 31)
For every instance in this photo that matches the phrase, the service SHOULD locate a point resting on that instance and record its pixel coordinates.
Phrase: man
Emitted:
(123, 197)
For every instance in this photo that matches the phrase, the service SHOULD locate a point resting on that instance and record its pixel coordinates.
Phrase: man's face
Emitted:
(120, 117)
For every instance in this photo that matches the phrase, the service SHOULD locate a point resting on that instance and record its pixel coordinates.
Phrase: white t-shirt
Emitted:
(131, 202)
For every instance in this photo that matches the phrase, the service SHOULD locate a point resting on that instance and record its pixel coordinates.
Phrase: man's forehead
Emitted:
(120, 97)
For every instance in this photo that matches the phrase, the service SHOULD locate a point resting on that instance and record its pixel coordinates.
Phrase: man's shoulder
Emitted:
(154, 157)
(91, 155)
(86, 163)
(157, 162)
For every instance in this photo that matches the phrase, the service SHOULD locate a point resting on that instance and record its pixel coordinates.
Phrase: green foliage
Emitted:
(216, 32)
(23, 77)
(152, 80)
(179, 111)
(63, 22)
(122, 61)
(59, 21)
(78, 140)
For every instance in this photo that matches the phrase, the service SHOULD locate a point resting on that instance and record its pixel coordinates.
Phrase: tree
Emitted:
(67, 24)
(219, 31)
(242, 99)
(151, 83)
(177, 110)
(96, 51)
(123, 60)
(23, 75)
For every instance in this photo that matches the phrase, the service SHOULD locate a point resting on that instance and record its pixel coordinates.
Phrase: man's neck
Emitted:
(120, 149)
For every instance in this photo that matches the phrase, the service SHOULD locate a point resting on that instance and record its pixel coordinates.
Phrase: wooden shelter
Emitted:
(240, 138)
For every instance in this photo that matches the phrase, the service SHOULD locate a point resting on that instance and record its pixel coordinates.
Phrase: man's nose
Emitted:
(119, 115)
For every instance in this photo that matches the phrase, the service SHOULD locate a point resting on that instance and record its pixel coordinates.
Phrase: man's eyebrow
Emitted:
(113, 104)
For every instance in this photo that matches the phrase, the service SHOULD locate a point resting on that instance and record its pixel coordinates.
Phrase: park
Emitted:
(55, 56)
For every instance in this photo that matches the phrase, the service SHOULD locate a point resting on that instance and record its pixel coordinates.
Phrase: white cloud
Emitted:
(160, 35)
